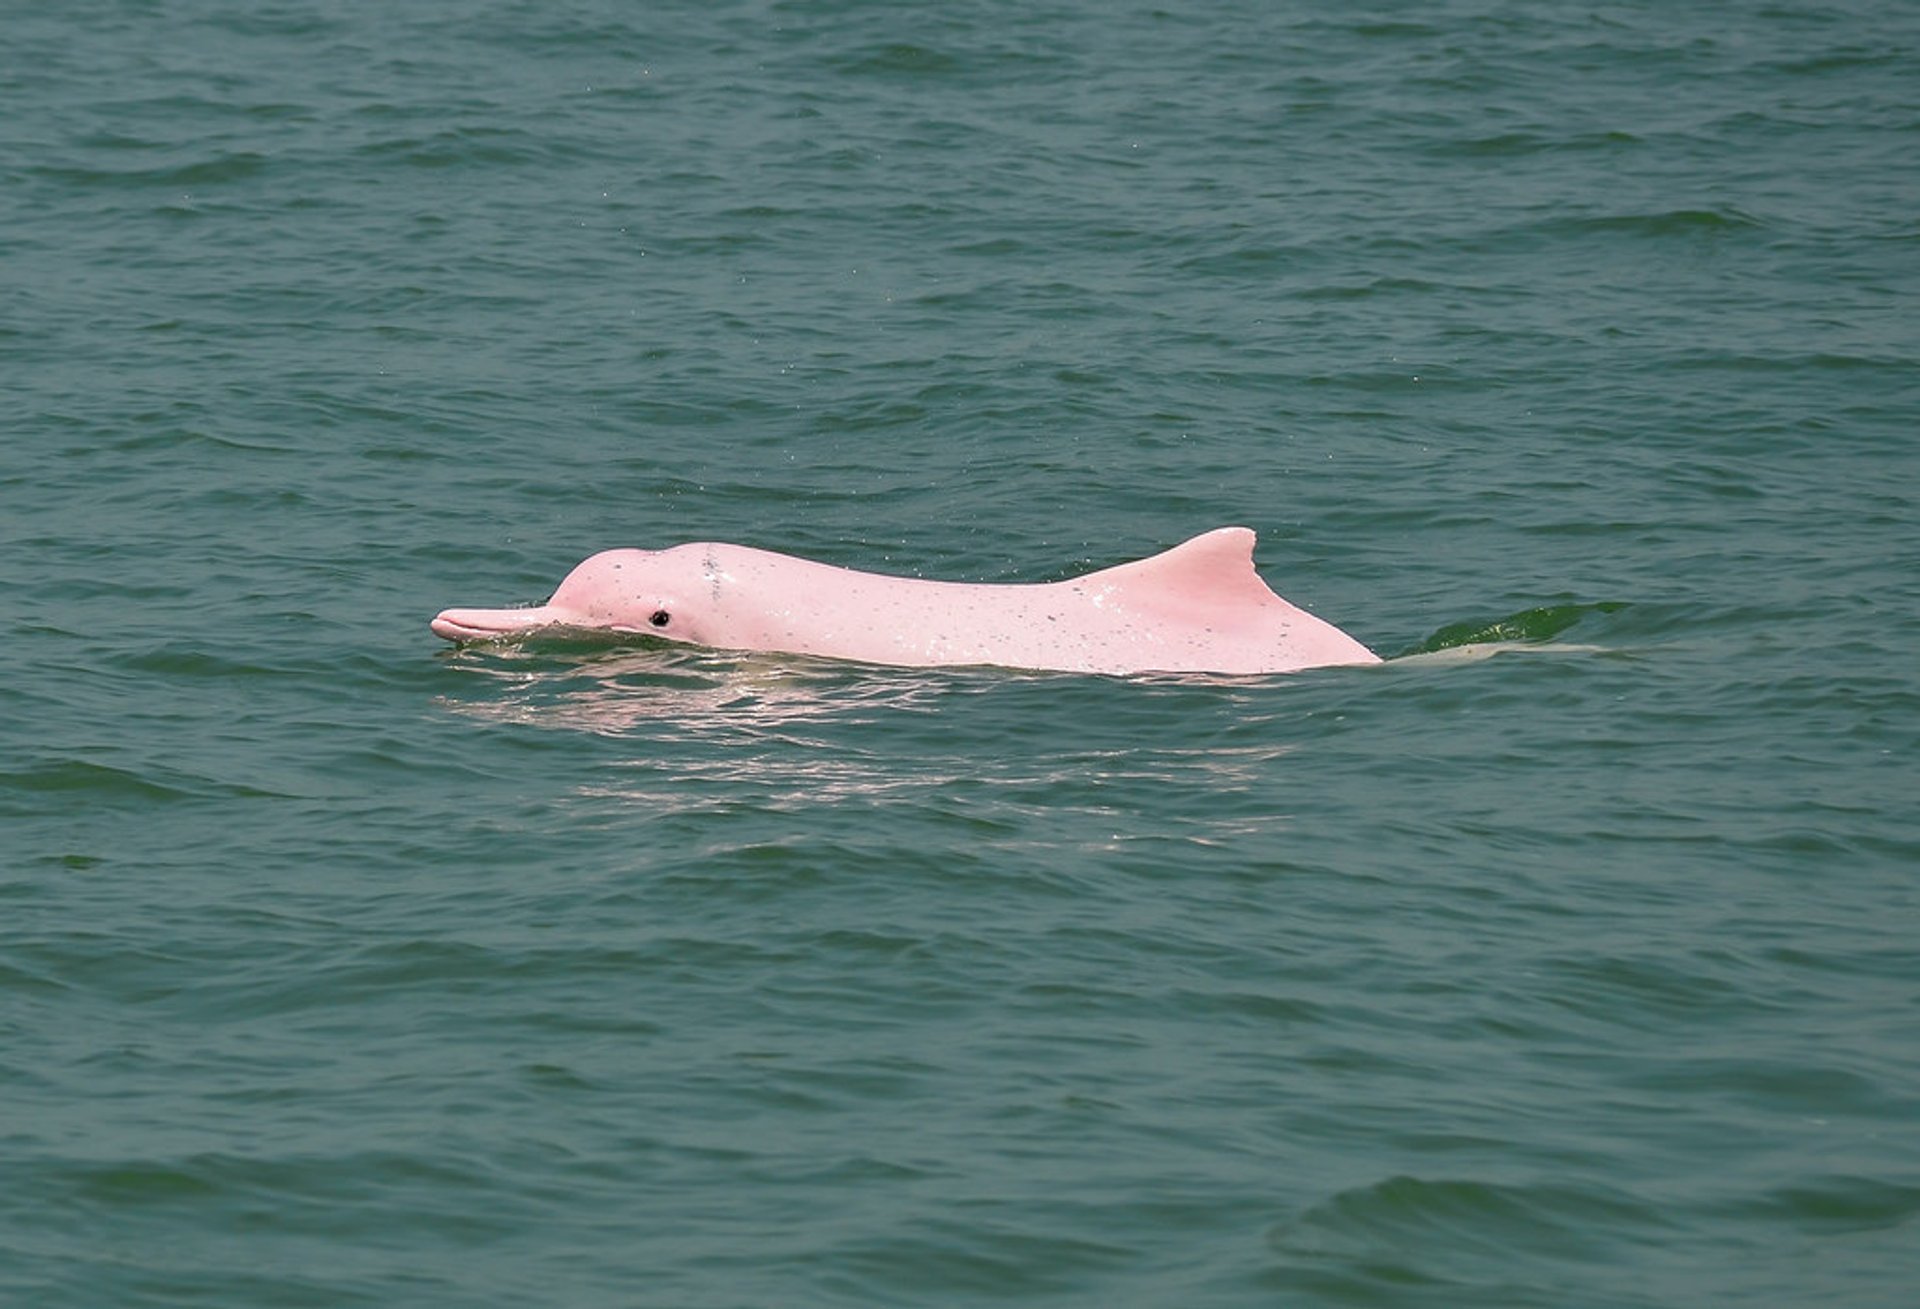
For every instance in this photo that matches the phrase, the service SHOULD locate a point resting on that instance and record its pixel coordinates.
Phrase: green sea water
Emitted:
(1566, 354)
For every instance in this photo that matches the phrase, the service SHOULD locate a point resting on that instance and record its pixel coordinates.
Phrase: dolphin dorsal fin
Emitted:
(1213, 568)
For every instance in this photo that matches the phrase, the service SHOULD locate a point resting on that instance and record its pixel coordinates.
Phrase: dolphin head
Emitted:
(638, 591)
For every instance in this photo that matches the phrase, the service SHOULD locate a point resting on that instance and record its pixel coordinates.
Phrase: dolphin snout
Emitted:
(488, 624)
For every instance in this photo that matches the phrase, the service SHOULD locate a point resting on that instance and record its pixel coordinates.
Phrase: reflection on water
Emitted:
(719, 732)
(1473, 652)
(623, 691)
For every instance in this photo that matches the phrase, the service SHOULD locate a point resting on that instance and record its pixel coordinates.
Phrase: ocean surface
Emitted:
(1566, 354)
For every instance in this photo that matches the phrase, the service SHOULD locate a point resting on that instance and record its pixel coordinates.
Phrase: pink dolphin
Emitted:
(1199, 607)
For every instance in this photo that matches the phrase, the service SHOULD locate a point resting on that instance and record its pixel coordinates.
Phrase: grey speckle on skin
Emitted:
(712, 567)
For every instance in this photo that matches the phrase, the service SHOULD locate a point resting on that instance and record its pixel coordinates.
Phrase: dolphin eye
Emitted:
(660, 618)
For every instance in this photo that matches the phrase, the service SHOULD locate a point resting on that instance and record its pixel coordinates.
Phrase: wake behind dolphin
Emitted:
(1199, 607)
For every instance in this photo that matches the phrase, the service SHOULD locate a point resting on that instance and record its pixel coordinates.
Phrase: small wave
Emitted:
(1837, 1204)
(90, 783)
(455, 147)
(173, 177)
(1529, 625)
(1672, 222)
(1520, 144)
(1841, 61)
(1456, 1219)
(899, 57)
(1372, 287)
